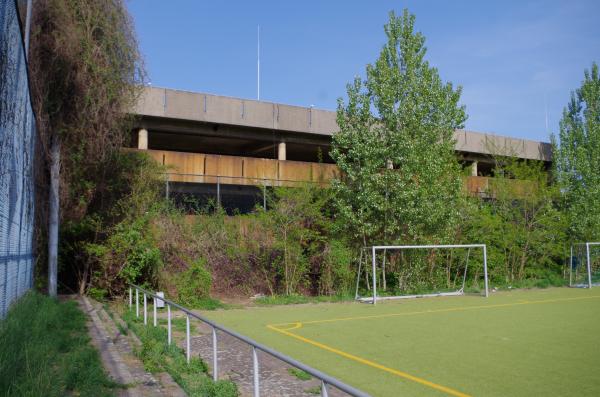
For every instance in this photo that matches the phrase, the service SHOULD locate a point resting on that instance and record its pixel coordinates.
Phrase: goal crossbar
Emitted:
(588, 264)
(376, 248)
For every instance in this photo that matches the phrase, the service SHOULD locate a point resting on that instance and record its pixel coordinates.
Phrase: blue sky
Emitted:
(513, 59)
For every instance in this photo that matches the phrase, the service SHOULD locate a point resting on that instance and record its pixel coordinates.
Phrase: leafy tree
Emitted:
(577, 158)
(520, 223)
(400, 179)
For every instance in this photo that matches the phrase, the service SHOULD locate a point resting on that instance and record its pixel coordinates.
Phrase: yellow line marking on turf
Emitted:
(371, 363)
(297, 325)
(293, 326)
(451, 309)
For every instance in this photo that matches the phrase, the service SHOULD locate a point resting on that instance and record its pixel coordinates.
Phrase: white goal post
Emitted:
(587, 261)
(376, 248)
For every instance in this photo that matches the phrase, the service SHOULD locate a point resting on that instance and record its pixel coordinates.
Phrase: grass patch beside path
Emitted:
(158, 356)
(45, 351)
(298, 373)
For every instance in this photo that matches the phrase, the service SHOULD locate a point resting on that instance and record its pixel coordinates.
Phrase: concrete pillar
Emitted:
(474, 168)
(143, 139)
(281, 153)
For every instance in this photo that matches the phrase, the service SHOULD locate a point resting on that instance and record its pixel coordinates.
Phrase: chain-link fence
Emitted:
(17, 132)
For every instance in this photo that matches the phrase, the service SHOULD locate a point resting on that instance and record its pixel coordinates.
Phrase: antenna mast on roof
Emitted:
(258, 65)
(546, 109)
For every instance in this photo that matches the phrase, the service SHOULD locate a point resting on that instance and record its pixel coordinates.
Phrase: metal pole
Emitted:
(324, 389)
(264, 194)
(571, 267)
(485, 271)
(215, 361)
(256, 378)
(167, 186)
(374, 277)
(258, 65)
(589, 265)
(130, 299)
(28, 27)
(218, 192)
(168, 324)
(145, 311)
(187, 338)
(154, 310)
(137, 303)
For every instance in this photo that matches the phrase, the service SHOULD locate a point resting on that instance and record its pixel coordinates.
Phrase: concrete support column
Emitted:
(143, 139)
(281, 153)
(474, 168)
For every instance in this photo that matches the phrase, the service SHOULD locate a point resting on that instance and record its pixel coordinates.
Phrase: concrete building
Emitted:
(216, 145)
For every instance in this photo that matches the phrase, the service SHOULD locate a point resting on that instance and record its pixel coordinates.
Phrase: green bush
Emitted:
(337, 275)
(193, 284)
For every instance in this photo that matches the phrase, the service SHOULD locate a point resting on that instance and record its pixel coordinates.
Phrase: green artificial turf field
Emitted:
(519, 343)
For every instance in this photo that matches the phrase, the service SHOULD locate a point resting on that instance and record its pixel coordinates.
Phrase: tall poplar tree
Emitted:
(400, 179)
(577, 158)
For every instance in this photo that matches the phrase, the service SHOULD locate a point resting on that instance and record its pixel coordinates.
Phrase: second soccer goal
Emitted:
(414, 271)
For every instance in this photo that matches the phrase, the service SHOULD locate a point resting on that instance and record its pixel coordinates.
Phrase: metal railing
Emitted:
(325, 379)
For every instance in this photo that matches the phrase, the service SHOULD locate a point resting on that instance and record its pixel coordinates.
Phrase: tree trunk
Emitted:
(83, 280)
(53, 215)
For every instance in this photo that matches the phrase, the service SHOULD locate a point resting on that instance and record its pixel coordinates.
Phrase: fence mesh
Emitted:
(17, 132)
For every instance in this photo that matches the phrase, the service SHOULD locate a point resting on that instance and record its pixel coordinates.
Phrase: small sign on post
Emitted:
(160, 304)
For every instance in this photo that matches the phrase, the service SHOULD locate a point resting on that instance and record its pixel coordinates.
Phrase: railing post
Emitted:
(145, 310)
(255, 370)
(187, 337)
(324, 389)
(137, 303)
(215, 361)
(154, 311)
(168, 324)
(130, 299)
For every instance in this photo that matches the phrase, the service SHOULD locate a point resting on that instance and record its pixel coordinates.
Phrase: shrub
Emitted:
(193, 284)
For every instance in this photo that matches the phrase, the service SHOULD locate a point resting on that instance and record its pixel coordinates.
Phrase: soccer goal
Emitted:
(584, 265)
(453, 272)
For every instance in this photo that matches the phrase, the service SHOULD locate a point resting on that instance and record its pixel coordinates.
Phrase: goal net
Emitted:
(414, 271)
(584, 265)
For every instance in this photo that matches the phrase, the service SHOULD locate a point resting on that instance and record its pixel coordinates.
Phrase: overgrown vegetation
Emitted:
(158, 356)
(45, 351)
(400, 183)
(85, 72)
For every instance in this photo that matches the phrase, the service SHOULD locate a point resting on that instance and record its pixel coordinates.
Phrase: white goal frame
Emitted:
(588, 264)
(376, 248)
